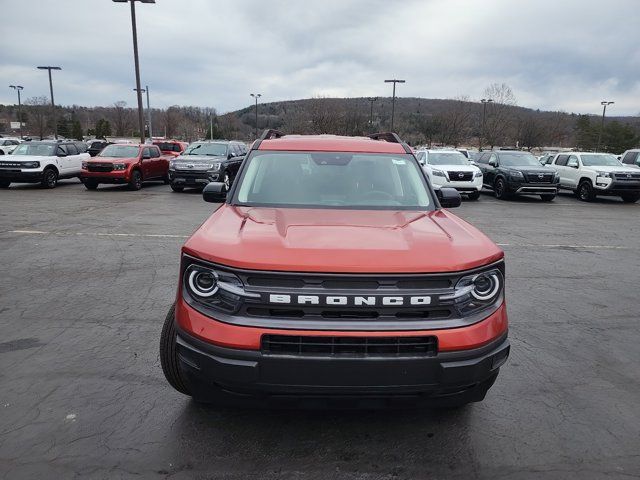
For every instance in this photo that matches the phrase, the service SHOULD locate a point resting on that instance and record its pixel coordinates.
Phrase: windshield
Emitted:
(40, 149)
(333, 179)
(600, 160)
(168, 147)
(119, 151)
(213, 149)
(518, 160)
(446, 158)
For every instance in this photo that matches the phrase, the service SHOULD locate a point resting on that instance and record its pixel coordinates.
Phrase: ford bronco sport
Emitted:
(332, 276)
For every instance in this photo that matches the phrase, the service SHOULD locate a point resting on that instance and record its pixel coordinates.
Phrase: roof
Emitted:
(330, 143)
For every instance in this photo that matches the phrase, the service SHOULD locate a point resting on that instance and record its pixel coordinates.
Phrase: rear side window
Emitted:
(562, 160)
(62, 149)
(81, 146)
(155, 153)
(72, 149)
(630, 158)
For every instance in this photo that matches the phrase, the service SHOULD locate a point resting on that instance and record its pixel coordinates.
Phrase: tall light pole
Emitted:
(393, 100)
(256, 96)
(484, 102)
(136, 62)
(146, 89)
(17, 88)
(371, 100)
(604, 104)
(53, 105)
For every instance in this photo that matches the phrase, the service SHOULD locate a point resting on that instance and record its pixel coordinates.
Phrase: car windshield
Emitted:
(334, 180)
(167, 146)
(120, 151)
(518, 160)
(600, 160)
(40, 149)
(446, 158)
(212, 149)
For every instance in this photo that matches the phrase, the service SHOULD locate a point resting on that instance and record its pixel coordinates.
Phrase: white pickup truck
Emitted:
(592, 174)
(43, 162)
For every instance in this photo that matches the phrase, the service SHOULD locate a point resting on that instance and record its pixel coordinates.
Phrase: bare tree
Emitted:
(122, 119)
(455, 122)
(39, 114)
(499, 113)
(531, 131)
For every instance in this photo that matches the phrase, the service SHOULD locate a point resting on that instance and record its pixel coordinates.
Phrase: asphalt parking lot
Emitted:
(87, 278)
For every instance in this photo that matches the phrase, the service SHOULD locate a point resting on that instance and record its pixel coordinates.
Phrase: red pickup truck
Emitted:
(127, 164)
(332, 274)
(171, 147)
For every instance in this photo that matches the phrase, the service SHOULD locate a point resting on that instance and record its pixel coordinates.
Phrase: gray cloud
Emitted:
(565, 55)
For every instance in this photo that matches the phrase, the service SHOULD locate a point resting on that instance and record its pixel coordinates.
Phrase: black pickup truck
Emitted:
(206, 161)
(510, 173)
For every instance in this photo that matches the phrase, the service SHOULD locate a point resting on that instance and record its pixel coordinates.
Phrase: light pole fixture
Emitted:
(604, 104)
(371, 100)
(146, 89)
(53, 105)
(484, 102)
(17, 88)
(256, 96)
(393, 100)
(136, 62)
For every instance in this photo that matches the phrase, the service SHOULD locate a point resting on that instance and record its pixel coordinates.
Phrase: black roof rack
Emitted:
(268, 134)
(392, 138)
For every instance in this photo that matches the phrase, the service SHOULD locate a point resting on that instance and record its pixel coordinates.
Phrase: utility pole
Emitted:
(53, 105)
(146, 89)
(256, 96)
(136, 62)
(484, 102)
(604, 104)
(371, 100)
(17, 88)
(393, 100)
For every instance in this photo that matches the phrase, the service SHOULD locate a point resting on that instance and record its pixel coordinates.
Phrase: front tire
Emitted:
(548, 197)
(585, 191)
(4, 183)
(136, 180)
(473, 196)
(227, 181)
(500, 189)
(90, 184)
(630, 197)
(49, 178)
(176, 188)
(169, 354)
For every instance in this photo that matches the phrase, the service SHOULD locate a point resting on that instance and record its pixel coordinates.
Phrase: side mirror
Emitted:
(61, 154)
(449, 197)
(493, 163)
(214, 192)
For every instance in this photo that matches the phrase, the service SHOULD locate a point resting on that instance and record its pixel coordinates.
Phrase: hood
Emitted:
(200, 158)
(454, 168)
(341, 241)
(112, 160)
(530, 169)
(615, 168)
(26, 158)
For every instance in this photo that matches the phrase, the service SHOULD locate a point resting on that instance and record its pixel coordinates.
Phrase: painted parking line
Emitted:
(165, 235)
(98, 234)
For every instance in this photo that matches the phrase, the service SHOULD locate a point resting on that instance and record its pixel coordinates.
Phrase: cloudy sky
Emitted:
(555, 54)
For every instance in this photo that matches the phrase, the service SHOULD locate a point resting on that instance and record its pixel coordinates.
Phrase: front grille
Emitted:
(540, 177)
(626, 176)
(460, 176)
(11, 165)
(426, 346)
(99, 167)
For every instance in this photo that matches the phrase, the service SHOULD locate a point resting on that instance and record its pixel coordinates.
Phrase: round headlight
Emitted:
(203, 283)
(485, 286)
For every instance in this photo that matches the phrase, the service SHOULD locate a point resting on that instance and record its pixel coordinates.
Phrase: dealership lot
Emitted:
(89, 276)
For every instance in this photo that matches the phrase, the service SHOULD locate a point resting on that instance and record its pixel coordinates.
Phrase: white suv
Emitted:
(631, 157)
(450, 168)
(43, 162)
(591, 174)
(8, 145)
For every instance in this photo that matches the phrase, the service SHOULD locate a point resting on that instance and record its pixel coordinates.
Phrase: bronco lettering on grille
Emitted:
(353, 300)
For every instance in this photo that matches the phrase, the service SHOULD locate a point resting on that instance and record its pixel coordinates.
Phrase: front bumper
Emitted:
(192, 178)
(616, 187)
(21, 176)
(236, 371)
(117, 177)
(463, 187)
(522, 188)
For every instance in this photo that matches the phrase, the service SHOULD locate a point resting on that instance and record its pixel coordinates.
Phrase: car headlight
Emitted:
(516, 175)
(84, 165)
(119, 166)
(438, 173)
(30, 164)
(604, 174)
(214, 167)
(213, 288)
(172, 164)
(478, 174)
(476, 292)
